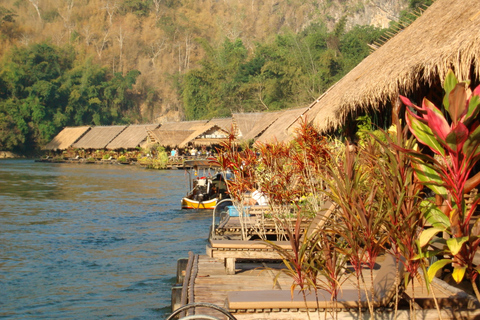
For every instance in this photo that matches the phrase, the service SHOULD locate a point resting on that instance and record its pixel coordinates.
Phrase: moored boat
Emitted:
(206, 190)
(188, 203)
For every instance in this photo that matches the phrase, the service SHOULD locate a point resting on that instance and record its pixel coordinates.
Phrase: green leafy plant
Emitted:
(454, 139)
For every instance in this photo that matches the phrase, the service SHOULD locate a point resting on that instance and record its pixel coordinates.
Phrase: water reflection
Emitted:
(98, 241)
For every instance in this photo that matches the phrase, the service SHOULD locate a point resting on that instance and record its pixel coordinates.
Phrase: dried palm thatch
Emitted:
(262, 124)
(131, 137)
(66, 138)
(206, 135)
(98, 137)
(183, 125)
(445, 36)
(243, 123)
(224, 123)
(279, 130)
(169, 138)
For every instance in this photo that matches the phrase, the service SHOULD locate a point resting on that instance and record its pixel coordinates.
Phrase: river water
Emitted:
(92, 241)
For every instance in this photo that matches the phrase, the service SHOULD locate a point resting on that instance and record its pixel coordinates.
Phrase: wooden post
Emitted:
(230, 265)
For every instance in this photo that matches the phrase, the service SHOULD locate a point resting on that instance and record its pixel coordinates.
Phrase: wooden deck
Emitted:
(206, 281)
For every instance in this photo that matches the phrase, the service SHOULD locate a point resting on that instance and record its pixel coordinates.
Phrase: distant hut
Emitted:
(66, 138)
(169, 138)
(171, 134)
(98, 137)
(207, 135)
(132, 137)
(243, 123)
(412, 63)
(282, 130)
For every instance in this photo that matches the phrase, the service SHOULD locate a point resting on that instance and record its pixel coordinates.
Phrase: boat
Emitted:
(207, 189)
(188, 203)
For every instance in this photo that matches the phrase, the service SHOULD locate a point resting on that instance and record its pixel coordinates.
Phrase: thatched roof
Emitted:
(280, 129)
(131, 137)
(98, 137)
(224, 123)
(245, 122)
(66, 137)
(262, 124)
(183, 125)
(170, 138)
(208, 134)
(445, 36)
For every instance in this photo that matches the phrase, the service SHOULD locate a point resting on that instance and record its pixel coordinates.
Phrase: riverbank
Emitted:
(10, 155)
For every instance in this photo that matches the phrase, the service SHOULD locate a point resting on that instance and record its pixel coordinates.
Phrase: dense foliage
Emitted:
(291, 71)
(42, 91)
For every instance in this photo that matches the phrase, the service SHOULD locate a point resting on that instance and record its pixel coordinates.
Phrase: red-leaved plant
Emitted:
(456, 145)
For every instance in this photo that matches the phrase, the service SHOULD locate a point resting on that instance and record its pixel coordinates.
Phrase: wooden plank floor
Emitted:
(211, 285)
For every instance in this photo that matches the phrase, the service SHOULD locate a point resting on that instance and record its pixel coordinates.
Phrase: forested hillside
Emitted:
(76, 62)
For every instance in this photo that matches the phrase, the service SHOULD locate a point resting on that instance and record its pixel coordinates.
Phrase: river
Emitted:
(80, 241)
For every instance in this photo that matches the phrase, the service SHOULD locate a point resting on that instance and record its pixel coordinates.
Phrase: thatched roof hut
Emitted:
(98, 137)
(282, 129)
(133, 136)
(206, 135)
(445, 36)
(243, 123)
(169, 138)
(262, 124)
(172, 134)
(66, 138)
(223, 123)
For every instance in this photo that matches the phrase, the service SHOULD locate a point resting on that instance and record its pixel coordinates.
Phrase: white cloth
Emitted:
(260, 198)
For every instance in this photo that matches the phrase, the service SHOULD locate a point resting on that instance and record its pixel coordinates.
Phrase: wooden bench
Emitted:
(384, 286)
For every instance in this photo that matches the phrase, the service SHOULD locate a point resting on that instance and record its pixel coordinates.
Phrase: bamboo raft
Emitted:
(171, 164)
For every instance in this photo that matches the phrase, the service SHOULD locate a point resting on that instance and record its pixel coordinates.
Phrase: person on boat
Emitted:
(258, 198)
(214, 190)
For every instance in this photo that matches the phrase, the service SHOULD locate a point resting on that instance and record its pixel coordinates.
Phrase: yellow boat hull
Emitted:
(192, 204)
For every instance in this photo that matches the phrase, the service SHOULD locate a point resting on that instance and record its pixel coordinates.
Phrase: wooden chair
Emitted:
(230, 250)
